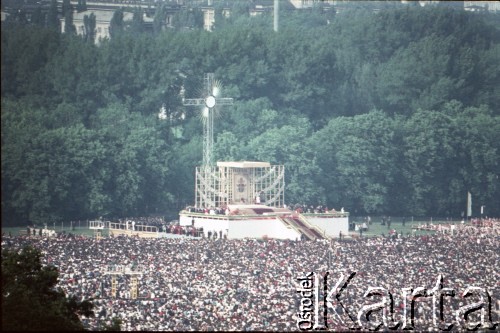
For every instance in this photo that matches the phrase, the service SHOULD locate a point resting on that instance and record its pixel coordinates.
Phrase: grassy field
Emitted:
(377, 229)
(15, 231)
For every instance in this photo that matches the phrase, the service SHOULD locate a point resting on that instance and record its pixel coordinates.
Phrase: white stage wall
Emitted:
(259, 228)
(207, 222)
(241, 228)
(331, 225)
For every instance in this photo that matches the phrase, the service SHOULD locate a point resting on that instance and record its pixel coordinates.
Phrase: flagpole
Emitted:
(469, 206)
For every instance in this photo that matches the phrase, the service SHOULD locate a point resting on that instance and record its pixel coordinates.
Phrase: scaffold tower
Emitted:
(133, 271)
(134, 289)
(244, 182)
(230, 182)
(98, 227)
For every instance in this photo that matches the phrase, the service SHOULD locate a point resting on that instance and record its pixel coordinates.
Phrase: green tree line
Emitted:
(31, 300)
(395, 112)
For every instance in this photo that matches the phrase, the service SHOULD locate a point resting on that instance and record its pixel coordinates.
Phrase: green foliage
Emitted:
(23, 65)
(89, 25)
(30, 299)
(357, 157)
(394, 111)
(428, 151)
(159, 19)
(136, 26)
(52, 17)
(114, 326)
(53, 183)
(445, 156)
(69, 27)
(72, 75)
(116, 25)
(137, 162)
(66, 7)
(188, 18)
(81, 6)
(37, 17)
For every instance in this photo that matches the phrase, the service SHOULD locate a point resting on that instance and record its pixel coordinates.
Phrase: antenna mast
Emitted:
(276, 14)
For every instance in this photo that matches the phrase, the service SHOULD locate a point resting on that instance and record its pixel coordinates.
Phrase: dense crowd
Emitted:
(149, 221)
(299, 208)
(311, 209)
(205, 284)
(208, 210)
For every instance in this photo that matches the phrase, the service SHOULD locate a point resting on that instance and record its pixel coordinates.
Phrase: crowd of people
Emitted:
(487, 222)
(205, 284)
(157, 221)
(314, 209)
(172, 227)
(299, 208)
(208, 210)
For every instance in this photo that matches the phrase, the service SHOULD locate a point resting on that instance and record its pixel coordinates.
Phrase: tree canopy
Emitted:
(30, 298)
(394, 112)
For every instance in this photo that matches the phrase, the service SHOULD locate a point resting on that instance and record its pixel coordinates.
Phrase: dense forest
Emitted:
(395, 112)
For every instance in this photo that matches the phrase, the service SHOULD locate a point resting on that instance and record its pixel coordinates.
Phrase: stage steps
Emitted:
(305, 228)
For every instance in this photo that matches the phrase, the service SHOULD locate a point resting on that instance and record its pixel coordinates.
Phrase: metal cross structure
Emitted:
(210, 101)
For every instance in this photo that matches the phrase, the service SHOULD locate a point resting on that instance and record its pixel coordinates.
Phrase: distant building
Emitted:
(104, 9)
(259, 9)
(299, 4)
(102, 19)
(209, 16)
(5, 16)
(428, 2)
(474, 6)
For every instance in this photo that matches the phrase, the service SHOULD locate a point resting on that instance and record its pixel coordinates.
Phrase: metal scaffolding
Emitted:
(133, 271)
(240, 183)
(231, 182)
